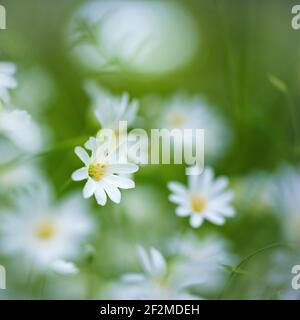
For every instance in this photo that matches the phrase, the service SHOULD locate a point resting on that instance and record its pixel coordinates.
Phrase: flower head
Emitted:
(109, 109)
(18, 127)
(200, 261)
(43, 233)
(184, 112)
(204, 198)
(103, 172)
(154, 283)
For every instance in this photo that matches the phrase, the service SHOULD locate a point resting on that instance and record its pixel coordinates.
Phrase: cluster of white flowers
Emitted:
(39, 232)
(48, 235)
(106, 168)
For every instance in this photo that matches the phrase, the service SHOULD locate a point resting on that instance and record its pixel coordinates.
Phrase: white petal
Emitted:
(216, 219)
(100, 195)
(144, 258)
(224, 197)
(133, 277)
(89, 188)
(123, 168)
(206, 179)
(120, 182)
(219, 185)
(158, 262)
(226, 211)
(82, 155)
(177, 199)
(80, 174)
(182, 211)
(196, 220)
(112, 191)
(64, 267)
(177, 187)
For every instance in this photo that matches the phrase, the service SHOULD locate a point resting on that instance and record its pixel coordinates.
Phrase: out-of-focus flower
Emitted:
(102, 171)
(141, 36)
(193, 112)
(201, 261)
(154, 283)
(64, 268)
(18, 126)
(204, 198)
(7, 80)
(42, 233)
(285, 201)
(110, 110)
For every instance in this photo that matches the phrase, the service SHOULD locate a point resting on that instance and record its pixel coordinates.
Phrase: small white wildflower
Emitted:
(103, 173)
(112, 112)
(193, 112)
(109, 109)
(7, 80)
(42, 233)
(18, 126)
(64, 267)
(200, 261)
(204, 198)
(154, 283)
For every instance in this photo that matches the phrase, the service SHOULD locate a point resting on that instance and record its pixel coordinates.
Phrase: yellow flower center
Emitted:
(198, 203)
(177, 120)
(45, 230)
(96, 171)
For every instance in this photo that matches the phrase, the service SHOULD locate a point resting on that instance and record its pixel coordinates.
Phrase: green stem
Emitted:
(246, 259)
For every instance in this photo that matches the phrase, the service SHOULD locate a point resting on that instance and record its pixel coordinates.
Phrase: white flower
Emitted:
(154, 283)
(64, 268)
(109, 109)
(204, 198)
(7, 80)
(112, 112)
(192, 112)
(201, 261)
(141, 36)
(42, 233)
(18, 126)
(102, 172)
(285, 200)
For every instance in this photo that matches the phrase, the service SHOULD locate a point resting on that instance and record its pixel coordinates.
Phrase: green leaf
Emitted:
(232, 269)
(277, 83)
